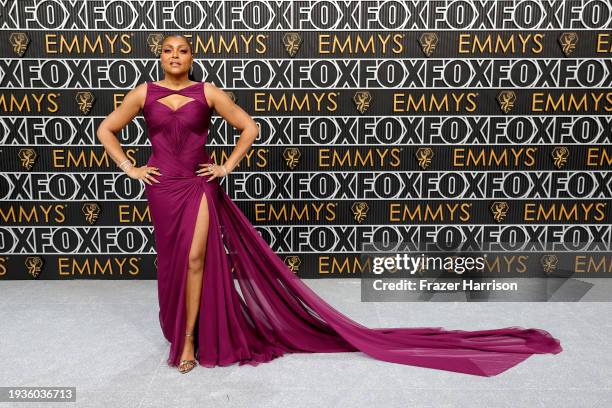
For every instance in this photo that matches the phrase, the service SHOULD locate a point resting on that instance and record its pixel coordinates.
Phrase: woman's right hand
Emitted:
(144, 173)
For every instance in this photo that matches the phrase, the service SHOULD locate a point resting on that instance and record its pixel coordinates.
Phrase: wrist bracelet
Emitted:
(123, 163)
(224, 170)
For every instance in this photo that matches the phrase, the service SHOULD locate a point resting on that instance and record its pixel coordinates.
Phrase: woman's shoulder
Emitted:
(209, 90)
(141, 87)
(140, 91)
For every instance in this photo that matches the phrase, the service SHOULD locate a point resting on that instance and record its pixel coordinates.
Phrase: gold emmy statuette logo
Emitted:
(568, 42)
(424, 156)
(428, 43)
(360, 210)
(293, 262)
(20, 42)
(34, 265)
(559, 156)
(292, 42)
(91, 212)
(499, 209)
(84, 100)
(291, 156)
(506, 100)
(155, 262)
(27, 157)
(362, 100)
(154, 42)
(549, 263)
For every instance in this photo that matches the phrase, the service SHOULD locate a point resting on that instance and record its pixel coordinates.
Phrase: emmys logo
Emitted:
(85, 101)
(428, 43)
(362, 100)
(424, 156)
(34, 265)
(291, 156)
(568, 42)
(27, 157)
(549, 263)
(292, 42)
(91, 212)
(506, 100)
(20, 42)
(499, 209)
(360, 210)
(154, 42)
(559, 156)
(293, 262)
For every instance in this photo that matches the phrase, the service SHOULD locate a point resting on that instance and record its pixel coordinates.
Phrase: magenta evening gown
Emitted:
(253, 308)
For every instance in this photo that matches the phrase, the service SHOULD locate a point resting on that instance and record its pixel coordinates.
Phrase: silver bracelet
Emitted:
(224, 170)
(123, 163)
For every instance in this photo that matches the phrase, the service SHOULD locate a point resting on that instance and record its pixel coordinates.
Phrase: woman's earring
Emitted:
(191, 69)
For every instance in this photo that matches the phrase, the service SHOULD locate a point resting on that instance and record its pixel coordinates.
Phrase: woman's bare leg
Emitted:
(195, 276)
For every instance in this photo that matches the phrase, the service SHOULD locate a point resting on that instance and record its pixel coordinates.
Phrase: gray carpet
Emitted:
(103, 338)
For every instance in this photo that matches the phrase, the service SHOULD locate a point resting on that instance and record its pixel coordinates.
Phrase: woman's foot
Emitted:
(188, 361)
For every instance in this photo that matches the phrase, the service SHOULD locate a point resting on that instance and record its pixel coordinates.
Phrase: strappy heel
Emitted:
(187, 365)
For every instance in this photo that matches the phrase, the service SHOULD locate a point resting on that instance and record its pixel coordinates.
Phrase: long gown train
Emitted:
(253, 308)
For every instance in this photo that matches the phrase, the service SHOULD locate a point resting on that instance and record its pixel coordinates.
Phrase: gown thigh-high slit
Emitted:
(202, 234)
(253, 308)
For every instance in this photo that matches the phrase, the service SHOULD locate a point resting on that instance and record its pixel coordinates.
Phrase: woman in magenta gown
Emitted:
(250, 307)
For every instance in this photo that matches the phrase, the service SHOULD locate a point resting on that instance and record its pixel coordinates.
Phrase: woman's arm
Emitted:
(118, 119)
(236, 117)
(130, 107)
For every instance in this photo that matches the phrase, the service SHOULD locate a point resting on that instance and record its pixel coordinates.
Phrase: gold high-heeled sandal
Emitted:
(187, 365)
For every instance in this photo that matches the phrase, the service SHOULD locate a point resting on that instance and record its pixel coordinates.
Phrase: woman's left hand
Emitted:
(212, 170)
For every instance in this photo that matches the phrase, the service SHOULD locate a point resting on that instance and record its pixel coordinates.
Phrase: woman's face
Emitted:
(175, 56)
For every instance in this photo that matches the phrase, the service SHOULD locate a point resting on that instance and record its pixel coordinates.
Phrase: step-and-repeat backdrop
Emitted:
(484, 125)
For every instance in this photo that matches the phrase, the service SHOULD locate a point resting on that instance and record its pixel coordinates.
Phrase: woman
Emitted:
(205, 245)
